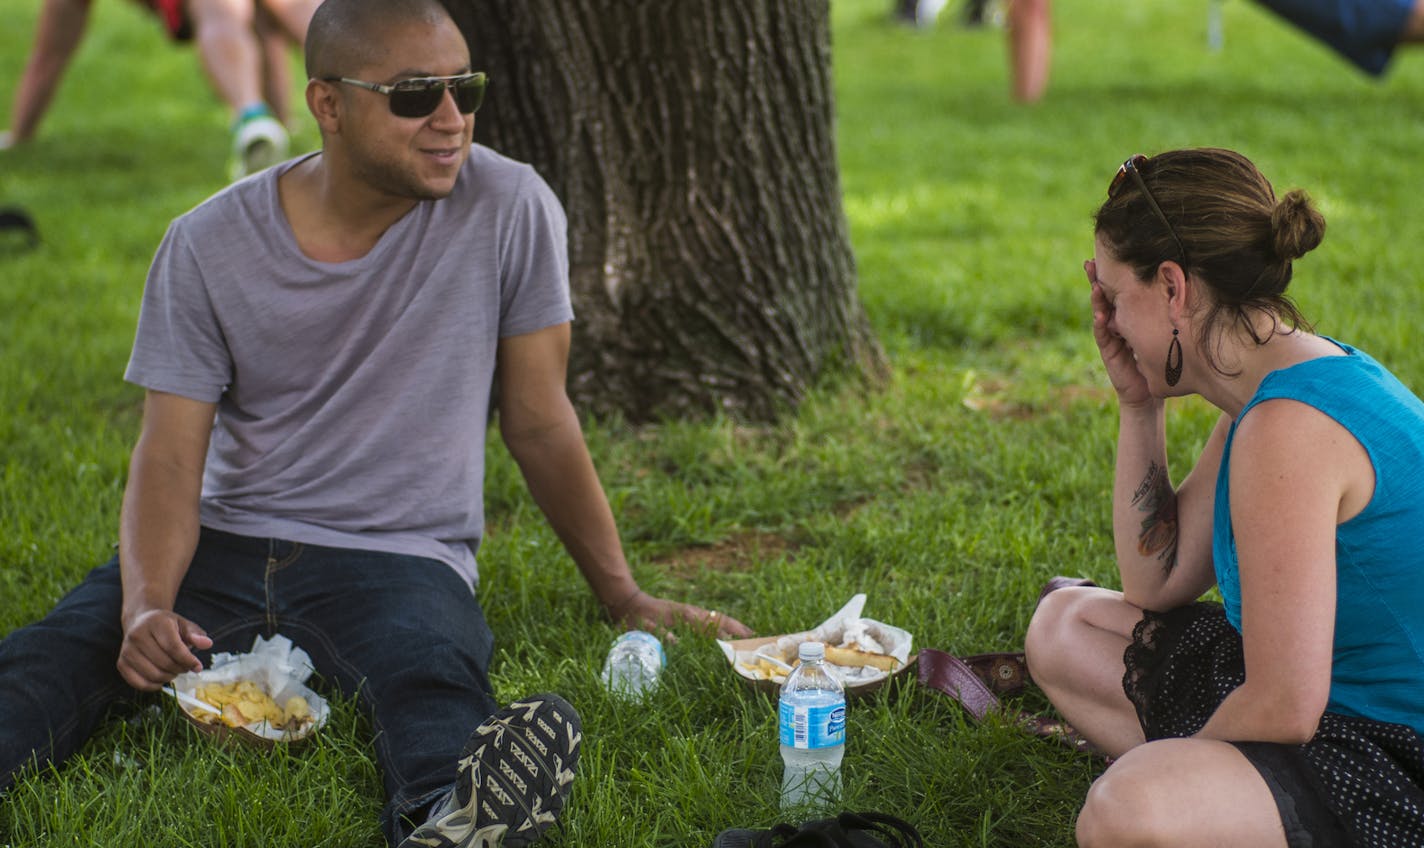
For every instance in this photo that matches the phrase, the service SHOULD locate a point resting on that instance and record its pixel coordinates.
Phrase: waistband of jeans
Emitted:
(242, 544)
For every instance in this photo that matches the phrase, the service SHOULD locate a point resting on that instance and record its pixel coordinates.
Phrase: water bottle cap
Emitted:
(811, 651)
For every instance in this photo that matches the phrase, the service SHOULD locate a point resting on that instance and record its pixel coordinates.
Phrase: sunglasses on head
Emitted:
(419, 96)
(1132, 167)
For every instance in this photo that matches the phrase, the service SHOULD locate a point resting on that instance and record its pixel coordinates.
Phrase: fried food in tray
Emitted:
(259, 697)
(861, 652)
(243, 702)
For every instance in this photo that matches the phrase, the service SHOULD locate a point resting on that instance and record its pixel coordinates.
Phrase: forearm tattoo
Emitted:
(1154, 496)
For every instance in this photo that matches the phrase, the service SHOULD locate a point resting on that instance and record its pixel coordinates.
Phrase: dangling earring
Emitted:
(1174, 371)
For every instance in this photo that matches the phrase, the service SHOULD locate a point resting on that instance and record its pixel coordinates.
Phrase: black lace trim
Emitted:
(1179, 666)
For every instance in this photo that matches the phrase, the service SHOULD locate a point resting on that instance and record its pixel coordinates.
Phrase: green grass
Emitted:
(983, 468)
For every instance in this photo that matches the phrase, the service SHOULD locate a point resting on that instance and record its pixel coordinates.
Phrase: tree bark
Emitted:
(693, 145)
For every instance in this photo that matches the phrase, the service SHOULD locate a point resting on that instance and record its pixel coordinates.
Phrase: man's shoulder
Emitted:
(484, 158)
(249, 196)
(488, 173)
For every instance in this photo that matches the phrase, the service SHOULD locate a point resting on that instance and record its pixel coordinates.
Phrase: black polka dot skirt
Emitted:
(1366, 775)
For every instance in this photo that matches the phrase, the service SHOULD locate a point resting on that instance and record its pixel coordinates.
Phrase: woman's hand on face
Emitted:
(1118, 358)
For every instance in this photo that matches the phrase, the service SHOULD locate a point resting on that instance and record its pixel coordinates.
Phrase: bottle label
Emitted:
(813, 727)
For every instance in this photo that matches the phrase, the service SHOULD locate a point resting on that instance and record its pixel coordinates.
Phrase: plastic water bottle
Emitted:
(813, 730)
(633, 665)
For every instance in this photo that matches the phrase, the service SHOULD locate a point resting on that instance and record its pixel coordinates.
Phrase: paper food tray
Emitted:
(278, 667)
(749, 658)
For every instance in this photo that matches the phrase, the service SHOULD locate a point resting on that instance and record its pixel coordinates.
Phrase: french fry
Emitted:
(856, 658)
(243, 702)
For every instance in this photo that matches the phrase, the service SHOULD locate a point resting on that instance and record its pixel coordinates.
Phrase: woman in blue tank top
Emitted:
(1289, 714)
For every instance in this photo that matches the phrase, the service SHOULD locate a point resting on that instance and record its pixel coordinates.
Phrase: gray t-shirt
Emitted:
(353, 397)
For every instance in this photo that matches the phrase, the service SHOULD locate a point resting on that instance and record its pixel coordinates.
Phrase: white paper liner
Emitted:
(276, 665)
(845, 628)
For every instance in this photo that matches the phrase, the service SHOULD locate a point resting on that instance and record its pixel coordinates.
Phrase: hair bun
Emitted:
(1297, 227)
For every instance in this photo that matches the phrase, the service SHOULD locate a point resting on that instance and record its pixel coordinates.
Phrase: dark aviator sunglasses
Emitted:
(1133, 168)
(418, 97)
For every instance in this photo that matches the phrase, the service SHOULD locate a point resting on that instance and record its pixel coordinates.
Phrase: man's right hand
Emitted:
(158, 647)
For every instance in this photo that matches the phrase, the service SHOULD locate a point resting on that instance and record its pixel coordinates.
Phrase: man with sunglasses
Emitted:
(319, 345)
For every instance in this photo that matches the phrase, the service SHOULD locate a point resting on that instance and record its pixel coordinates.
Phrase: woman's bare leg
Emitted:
(1074, 647)
(1184, 793)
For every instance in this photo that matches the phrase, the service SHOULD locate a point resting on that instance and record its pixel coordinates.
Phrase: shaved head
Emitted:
(345, 35)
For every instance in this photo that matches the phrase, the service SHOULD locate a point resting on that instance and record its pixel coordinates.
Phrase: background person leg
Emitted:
(1030, 47)
(276, 70)
(226, 37)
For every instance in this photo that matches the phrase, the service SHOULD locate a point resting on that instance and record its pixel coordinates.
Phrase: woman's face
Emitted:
(1137, 312)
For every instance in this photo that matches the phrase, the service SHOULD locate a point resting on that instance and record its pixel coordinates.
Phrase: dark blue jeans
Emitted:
(404, 634)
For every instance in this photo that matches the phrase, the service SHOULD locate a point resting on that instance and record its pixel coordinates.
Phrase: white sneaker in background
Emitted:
(258, 142)
(927, 11)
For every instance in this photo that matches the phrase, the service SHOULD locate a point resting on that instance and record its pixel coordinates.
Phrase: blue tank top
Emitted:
(1377, 669)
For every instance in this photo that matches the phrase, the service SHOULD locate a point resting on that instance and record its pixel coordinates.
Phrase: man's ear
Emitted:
(325, 104)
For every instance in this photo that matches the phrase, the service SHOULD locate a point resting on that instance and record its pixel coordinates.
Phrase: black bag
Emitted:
(17, 230)
(847, 830)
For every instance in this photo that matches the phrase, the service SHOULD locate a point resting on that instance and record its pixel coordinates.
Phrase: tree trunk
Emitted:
(693, 145)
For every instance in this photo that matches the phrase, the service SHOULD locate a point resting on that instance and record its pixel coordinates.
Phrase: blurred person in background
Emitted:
(244, 48)
(1364, 32)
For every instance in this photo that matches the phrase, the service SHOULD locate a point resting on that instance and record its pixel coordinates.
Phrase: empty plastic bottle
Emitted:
(813, 731)
(633, 665)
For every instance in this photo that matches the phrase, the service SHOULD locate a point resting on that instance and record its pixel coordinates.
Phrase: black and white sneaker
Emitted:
(515, 774)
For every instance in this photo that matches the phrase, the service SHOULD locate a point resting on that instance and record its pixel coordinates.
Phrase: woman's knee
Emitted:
(1124, 807)
(1051, 630)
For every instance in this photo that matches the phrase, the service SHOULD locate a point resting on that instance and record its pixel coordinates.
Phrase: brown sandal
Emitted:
(1005, 673)
(1056, 583)
(978, 681)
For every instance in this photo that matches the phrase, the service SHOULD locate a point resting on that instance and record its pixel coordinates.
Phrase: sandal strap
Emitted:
(951, 675)
(1062, 582)
(1057, 730)
(822, 833)
(1005, 673)
(900, 833)
(846, 830)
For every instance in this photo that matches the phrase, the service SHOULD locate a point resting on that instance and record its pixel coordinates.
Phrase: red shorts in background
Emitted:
(174, 16)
